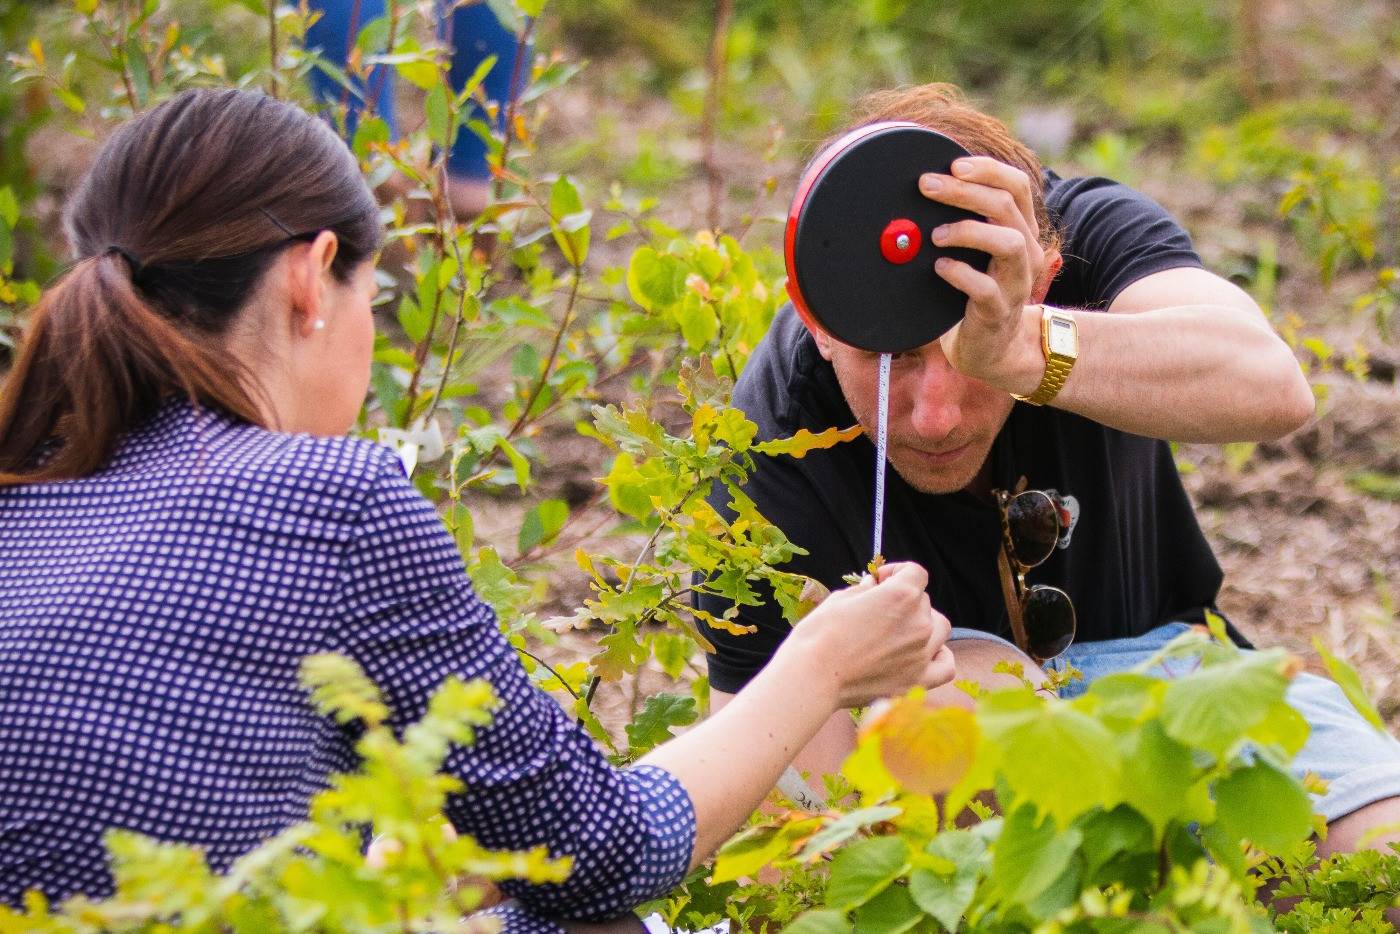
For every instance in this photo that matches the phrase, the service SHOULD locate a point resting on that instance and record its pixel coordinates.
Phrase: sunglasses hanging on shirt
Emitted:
(1042, 617)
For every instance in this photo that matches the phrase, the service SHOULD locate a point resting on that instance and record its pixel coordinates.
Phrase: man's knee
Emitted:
(977, 660)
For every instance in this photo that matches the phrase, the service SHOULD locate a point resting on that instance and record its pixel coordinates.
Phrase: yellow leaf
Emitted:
(928, 750)
(37, 50)
(802, 442)
(727, 625)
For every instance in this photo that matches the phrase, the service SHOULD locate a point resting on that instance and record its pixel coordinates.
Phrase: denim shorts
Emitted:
(1359, 764)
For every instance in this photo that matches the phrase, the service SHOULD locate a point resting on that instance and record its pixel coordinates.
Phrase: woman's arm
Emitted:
(861, 644)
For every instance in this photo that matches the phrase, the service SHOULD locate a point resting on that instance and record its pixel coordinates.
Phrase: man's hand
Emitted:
(995, 341)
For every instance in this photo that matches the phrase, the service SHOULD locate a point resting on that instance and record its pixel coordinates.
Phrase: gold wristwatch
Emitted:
(1060, 343)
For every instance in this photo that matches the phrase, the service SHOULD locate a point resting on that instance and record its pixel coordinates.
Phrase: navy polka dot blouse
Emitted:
(152, 620)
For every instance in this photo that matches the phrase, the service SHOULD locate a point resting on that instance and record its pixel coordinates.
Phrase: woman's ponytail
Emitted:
(96, 361)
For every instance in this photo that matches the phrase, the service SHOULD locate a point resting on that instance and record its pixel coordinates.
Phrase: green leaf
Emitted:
(946, 896)
(553, 75)
(373, 35)
(518, 463)
(1349, 681)
(757, 847)
(414, 319)
(9, 206)
(542, 523)
(1111, 834)
(70, 100)
(843, 828)
(138, 70)
(1264, 805)
(820, 921)
(1375, 484)
(1054, 755)
(474, 81)
(569, 221)
(1030, 855)
(1157, 771)
(654, 280)
(1213, 708)
(863, 870)
(652, 726)
(438, 110)
(891, 912)
(506, 13)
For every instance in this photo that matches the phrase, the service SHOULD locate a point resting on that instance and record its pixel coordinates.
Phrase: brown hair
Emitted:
(942, 107)
(174, 225)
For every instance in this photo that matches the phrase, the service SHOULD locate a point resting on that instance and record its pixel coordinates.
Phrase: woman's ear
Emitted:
(309, 278)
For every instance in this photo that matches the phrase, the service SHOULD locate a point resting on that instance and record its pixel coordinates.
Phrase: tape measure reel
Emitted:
(857, 246)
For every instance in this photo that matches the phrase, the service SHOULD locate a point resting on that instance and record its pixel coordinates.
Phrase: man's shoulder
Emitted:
(784, 385)
(1111, 235)
(1073, 197)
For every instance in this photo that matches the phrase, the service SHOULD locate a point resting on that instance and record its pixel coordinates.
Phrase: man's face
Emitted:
(941, 423)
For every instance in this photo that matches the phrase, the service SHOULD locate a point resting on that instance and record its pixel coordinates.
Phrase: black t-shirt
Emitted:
(1136, 557)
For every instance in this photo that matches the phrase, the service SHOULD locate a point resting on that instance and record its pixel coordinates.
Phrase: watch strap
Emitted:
(1057, 367)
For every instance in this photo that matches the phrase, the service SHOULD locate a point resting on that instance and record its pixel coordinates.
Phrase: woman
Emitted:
(182, 521)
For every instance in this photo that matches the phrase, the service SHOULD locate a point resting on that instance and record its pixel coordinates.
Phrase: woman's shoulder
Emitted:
(296, 472)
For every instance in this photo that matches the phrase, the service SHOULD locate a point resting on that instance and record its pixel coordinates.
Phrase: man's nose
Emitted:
(936, 407)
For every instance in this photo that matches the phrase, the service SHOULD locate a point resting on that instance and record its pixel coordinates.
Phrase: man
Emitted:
(1166, 350)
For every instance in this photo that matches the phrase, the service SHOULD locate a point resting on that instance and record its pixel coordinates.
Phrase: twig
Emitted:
(512, 98)
(558, 544)
(117, 52)
(650, 614)
(273, 87)
(393, 9)
(645, 618)
(724, 11)
(553, 355)
(550, 668)
(350, 37)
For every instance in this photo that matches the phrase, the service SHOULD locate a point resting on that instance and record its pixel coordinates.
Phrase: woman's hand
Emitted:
(877, 639)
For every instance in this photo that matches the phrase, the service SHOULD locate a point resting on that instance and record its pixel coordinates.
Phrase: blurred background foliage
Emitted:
(558, 370)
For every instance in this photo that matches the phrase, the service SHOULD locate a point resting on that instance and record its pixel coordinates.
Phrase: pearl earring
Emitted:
(320, 324)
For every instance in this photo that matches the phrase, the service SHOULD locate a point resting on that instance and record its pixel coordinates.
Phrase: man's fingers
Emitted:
(981, 288)
(995, 204)
(1004, 243)
(984, 170)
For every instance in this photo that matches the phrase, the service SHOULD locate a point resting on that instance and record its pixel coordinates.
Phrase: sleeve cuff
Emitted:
(670, 838)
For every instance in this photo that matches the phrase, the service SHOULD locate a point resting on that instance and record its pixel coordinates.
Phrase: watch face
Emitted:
(1062, 337)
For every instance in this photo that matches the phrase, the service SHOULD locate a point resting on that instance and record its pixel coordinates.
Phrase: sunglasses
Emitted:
(1042, 617)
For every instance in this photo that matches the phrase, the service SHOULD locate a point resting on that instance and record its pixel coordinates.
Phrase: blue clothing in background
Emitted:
(153, 617)
(474, 34)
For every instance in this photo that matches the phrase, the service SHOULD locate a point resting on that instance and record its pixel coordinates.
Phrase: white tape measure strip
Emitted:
(791, 784)
(881, 430)
(796, 790)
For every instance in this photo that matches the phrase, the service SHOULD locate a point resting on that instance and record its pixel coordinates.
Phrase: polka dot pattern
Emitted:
(152, 620)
